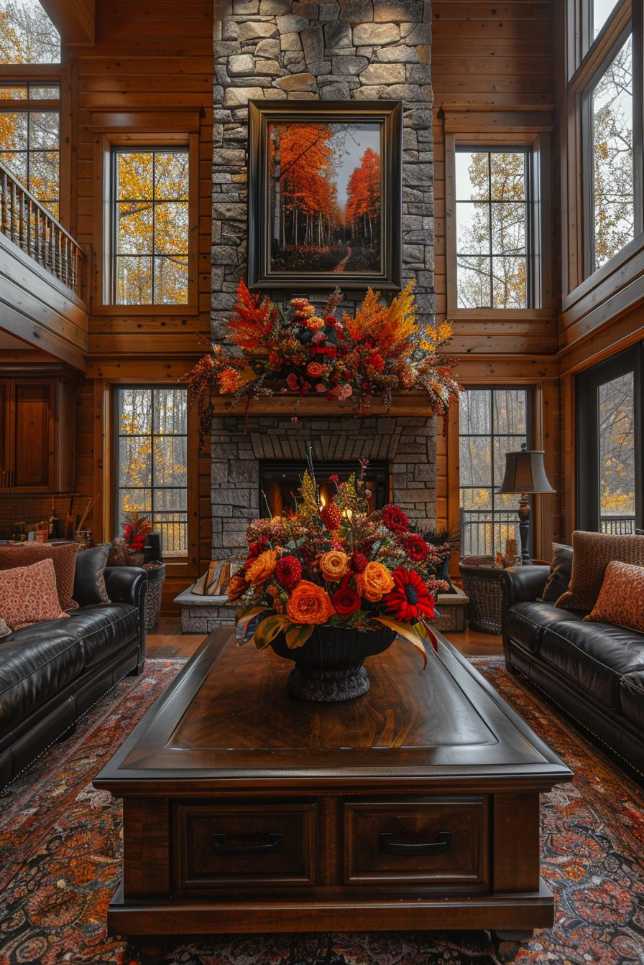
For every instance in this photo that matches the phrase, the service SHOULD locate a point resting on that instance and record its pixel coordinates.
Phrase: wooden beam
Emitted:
(75, 19)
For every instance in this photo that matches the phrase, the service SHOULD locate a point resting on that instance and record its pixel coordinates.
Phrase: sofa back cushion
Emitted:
(64, 559)
(560, 573)
(592, 552)
(28, 594)
(621, 598)
(89, 584)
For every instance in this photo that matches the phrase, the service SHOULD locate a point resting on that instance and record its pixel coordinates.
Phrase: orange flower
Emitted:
(229, 380)
(309, 603)
(315, 323)
(262, 567)
(334, 565)
(316, 369)
(375, 581)
(236, 586)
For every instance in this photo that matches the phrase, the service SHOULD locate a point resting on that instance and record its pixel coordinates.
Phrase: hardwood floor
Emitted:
(168, 642)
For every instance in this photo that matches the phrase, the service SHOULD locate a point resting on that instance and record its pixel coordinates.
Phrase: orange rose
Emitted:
(375, 581)
(309, 603)
(334, 565)
(236, 586)
(261, 568)
(315, 323)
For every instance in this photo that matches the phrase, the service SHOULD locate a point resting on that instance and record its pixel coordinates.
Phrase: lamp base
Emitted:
(524, 529)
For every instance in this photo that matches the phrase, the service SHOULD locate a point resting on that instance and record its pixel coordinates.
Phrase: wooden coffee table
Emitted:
(413, 807)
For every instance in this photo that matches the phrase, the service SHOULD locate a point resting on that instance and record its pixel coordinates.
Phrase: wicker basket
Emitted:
(152, 606)
(483, 584)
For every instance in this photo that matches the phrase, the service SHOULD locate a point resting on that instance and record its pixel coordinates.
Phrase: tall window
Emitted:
(492, 228)
(152, 460)
(27, 35)
(30, 138)
(493, 421)
(611, 145)
(610, 453)
(149, 263)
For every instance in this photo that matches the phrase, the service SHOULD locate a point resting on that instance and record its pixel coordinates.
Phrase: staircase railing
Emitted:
(33, 229)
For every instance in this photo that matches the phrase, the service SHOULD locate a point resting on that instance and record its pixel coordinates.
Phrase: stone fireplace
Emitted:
(336, 50)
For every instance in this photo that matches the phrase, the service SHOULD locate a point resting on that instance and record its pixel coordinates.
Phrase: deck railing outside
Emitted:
(618, 525)
(484, 533)
(35, 231)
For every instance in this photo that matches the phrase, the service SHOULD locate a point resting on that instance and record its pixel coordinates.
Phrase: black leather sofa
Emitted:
(52, 671)
(592, 671)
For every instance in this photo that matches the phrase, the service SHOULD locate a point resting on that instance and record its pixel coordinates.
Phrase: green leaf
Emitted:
(269, 629)
(297, 635)
(407, 633)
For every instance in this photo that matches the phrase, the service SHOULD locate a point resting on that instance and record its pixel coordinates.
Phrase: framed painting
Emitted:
(324, 198)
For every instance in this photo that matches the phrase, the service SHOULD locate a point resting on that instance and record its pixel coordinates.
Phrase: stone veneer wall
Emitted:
(239, 443)
(338, 50)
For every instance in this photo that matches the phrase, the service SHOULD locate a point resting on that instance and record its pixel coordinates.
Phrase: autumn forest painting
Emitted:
(325, 197)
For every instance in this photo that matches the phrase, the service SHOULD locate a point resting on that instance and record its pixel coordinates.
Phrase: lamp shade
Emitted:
(525, 473)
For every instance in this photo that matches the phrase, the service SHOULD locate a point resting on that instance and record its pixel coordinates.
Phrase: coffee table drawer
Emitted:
(247, 845)
(424, 840)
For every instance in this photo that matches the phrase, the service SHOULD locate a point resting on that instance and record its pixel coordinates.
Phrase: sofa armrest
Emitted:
(128, 584)
(522, 584)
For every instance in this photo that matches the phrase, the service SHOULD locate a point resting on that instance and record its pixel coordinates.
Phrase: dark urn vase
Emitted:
(329, 667)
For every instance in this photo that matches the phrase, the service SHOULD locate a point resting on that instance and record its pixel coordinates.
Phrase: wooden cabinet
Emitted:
(37, 433)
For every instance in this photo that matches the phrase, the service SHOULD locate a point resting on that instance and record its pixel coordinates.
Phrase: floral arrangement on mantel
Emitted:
(379, 350)
(333, 584)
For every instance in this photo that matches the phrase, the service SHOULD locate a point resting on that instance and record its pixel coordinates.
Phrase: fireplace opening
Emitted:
(279, 481)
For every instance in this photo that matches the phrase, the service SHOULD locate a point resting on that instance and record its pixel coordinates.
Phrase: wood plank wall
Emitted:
(494, 61)
(151, 67)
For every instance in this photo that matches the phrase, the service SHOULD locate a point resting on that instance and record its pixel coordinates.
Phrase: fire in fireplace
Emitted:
(279, 481)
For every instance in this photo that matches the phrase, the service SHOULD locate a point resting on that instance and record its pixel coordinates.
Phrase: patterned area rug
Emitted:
(60, 848)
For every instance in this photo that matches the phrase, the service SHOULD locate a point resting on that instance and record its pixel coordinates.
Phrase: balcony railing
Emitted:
(617, 525)
(33, 229)
(484, 533)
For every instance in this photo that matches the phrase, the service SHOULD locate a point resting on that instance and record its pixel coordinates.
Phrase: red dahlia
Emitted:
(331, 516)
(395, 519)
(416, 548)
(288, 572)
(410, 599)
(346, 599)
(358, 562)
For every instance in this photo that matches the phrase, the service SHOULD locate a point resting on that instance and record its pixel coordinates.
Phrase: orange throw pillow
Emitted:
(63, 555)
(621, 598)
(28, 594)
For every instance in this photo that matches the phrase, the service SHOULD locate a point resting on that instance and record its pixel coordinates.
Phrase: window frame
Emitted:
(30, 106)
(43, 75)
(536, 145)
(177, 565)
(530, 434)
(585, 62)
(104, 304)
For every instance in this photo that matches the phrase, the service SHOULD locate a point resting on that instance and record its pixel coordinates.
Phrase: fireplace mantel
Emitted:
(403, 404)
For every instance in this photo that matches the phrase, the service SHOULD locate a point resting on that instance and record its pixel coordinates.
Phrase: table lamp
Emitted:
(525, 474)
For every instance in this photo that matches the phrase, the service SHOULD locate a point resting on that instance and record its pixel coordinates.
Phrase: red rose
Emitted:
(410, 599)
(292, 381)
(346, 599)
(288, 572)
(395, 519)
(416, 548)
(315, 369)
(376, 361)
(358, 562)
(254, 549)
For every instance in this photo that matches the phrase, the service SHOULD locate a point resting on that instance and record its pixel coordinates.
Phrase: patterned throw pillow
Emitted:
(64, 557)
(592, 552)
(560, 570)
(621, 598)
(28, 594)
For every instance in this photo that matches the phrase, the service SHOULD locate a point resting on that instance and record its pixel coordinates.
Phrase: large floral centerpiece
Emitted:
(305, 351)
(333, 584)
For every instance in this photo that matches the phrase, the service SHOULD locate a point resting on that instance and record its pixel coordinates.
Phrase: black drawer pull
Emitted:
(257, 844)
(442, 843)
